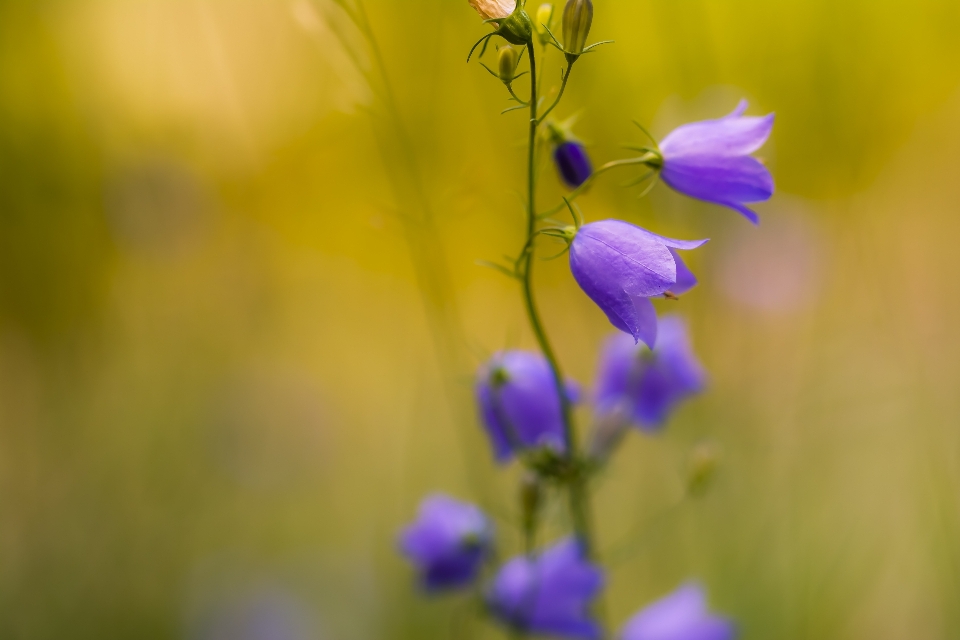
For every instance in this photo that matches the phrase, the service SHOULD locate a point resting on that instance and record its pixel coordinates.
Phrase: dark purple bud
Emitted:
(682, 615)
(621, 266)
(648, 384)
(447, 543)
(711, 161)
(549, 593)
(519, 404)
(573, 163)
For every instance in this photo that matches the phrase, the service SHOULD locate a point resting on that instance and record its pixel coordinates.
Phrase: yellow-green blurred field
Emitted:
(236, 343)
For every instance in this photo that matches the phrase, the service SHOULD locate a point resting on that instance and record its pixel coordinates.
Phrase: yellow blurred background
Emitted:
(237, 336)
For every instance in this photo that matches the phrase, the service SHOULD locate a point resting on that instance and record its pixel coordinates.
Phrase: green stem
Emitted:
(578, 496)
(563, 87)
(644, 159)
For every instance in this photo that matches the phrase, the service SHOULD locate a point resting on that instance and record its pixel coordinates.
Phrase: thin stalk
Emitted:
(644, 159)
(578, 496)
(563, 87)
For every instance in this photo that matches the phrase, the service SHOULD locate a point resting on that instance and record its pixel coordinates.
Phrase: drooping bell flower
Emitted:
(621, 266)
(569, 154)
(519, 404)
(710, 160)
(647, 384)
(447, 543)
(573, 163)
(682, 615)
(549, 593)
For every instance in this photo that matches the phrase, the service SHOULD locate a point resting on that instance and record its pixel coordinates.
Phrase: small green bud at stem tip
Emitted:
(577, 19)
(507, 63)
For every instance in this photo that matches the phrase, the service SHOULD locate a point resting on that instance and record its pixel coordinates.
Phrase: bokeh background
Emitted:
(240, 310)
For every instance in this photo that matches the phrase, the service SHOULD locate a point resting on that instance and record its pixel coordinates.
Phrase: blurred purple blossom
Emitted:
(448, 542)
(573, 163)
(710, 160)
(519, 404)
(621, 266)
(646, 383)
(549, 593)
(681, 615)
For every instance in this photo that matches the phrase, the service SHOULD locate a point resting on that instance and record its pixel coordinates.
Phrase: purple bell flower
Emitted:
(549, 593)
(710, 160)
(621, 266)
(448, 542)
(647, 384)
(519, 403)
(682, 615)
(573, 163)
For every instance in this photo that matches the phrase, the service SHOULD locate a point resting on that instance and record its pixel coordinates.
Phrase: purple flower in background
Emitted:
(572, 163)
(646, 383)
(710, 160)
(549, 593)
(519, 404)
(682, 615)
(621, 266)
(448, 542)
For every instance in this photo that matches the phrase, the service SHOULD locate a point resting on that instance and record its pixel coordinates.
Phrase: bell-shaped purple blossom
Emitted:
(519, 404)
(447, 543)
(621, 266)
(710, 160)
(573, 163)
(682, 615)
(648, 384)
(549, 593)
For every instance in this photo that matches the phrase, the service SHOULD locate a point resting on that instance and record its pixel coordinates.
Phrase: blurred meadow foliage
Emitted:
(239, 315)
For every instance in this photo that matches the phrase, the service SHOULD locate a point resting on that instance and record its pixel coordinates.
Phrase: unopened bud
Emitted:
(542, 23)
(577, 19)
(702, 467)
(507, 63)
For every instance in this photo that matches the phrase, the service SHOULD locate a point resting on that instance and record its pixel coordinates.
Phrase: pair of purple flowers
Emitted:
(521, 410)
(549, 593)
(708, 160)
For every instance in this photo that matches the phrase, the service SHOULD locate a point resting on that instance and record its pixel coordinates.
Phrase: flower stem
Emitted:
(578, 495)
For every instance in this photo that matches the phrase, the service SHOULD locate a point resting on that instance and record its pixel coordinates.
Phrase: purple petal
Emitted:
(646, 326)
(730, 136)
(685, 278)
(619, 255)
(573, 163)
(717, 179)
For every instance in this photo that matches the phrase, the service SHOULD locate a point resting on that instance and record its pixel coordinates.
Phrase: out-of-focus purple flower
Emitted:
(682, 615)
(621, 266)
(448, 542)
(649, 383)
(549, 593)
(519, 404)
(710, 160)
(573, 163)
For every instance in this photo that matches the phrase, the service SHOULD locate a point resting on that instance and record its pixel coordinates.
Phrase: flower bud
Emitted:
(507, 63)
(490, 9)
(577, 18)
(544, 18)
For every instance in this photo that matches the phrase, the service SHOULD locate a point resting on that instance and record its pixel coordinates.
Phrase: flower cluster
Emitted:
(647, 368)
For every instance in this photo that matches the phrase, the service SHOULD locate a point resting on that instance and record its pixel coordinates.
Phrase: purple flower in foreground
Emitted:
(549, 593)
(519, 404)
(573, 163)
(682, 615)
(621, 266)
(646, 383)
(448, 542)
(710, 160)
